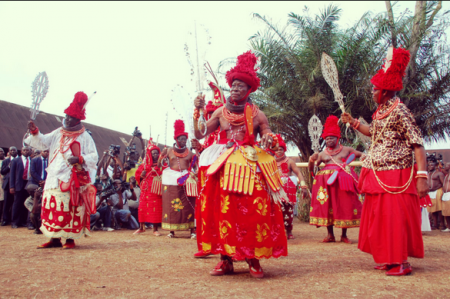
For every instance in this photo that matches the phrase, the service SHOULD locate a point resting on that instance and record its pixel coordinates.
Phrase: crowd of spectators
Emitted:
(23, 178)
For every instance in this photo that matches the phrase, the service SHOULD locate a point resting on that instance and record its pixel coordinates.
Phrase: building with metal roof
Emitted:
(13, 126)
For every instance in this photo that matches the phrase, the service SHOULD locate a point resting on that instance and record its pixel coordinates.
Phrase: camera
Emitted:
(136, 132)
(108, 191)
(125, 186)
(114, 150)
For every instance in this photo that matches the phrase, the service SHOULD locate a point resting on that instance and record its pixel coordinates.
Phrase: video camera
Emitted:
(108, 191)
(114, 150)
(136, 133)
(125, 185)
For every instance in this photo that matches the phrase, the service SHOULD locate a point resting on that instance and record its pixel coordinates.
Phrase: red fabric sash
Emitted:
(397, 177)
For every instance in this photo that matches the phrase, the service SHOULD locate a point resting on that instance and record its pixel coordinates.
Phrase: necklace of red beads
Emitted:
(334, 152)
(378, 115)
(181, 155)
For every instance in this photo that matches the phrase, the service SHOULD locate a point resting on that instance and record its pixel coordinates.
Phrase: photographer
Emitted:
(121, 209)
(132, 156)
(104, 205)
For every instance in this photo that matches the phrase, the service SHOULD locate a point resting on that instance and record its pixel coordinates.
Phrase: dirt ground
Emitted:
(121, 265)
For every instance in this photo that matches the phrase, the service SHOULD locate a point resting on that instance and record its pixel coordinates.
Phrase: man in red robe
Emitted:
(148, 176)
(241, 191)
(336, 204)
(391, 218)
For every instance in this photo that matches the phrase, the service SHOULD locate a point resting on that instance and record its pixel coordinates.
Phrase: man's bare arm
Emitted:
(441, 177)
(296, 170)
(316, 159)
(357, 153)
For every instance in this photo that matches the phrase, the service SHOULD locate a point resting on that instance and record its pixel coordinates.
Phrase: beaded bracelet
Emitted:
(274, 139)
(196, 114)
(356, 124)
(303, 185)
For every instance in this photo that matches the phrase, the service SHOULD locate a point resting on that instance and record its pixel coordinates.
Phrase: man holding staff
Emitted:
(391, 220)
(235, 223)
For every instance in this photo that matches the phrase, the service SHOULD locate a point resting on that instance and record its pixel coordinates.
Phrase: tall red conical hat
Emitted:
(281, 142)
(245, 71)
(390, 76)
(76, 108)
(331, 127)
(179, 129)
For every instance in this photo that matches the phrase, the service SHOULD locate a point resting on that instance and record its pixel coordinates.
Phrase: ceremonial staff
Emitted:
(330, 74)
(315, 129)
(198, 71)
(39, 91)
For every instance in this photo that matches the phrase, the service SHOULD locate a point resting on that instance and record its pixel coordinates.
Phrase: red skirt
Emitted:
(150, 207)
(390, 223)
(337, 204)
(242, 226)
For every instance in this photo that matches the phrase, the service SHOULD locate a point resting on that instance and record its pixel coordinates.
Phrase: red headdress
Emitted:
(150, 147)
(245, 71)
(390, 76)
(210, 107)
(77, 107)
(331, 127)
(281, 142)
(179, 129)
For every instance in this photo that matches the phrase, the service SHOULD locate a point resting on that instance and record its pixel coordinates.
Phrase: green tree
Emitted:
(293, 88)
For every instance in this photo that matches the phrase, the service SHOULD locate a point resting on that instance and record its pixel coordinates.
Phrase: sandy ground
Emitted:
(121, 265)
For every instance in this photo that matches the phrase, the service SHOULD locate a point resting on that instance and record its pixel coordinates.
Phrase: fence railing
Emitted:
(305, 164)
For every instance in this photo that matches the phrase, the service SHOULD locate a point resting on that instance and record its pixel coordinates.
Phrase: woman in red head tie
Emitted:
(148, 176)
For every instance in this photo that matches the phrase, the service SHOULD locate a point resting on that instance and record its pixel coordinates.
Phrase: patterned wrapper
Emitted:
(177, 209)
(62, 219)
(331, 204)
(242, 226)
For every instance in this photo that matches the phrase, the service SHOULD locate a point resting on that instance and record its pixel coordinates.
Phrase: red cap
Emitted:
(281, 142)
(245, 71)
(151, 146)
(331, 127)
(179, 129)
(390, 76)
(76, 108)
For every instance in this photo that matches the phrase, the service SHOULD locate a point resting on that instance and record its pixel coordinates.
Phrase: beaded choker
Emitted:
(182, 154)
(335, 151)
(378, 115)
(238, 119)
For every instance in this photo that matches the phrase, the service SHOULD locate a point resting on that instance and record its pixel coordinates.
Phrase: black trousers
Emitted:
(19, 211)
(7, 205)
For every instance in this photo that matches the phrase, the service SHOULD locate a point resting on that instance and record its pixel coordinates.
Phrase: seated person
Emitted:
(121, 209)
(103, 213)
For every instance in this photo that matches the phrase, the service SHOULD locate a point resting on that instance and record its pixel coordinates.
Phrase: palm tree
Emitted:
(293, 88)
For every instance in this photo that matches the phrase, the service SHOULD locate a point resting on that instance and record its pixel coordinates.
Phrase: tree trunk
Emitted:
(391, 23)
(419, 28)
